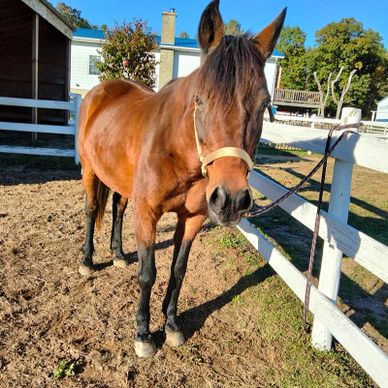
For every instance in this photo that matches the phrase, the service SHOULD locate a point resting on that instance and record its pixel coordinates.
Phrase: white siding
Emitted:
(382, 110)
(185, 63)
(270, 75)
(80, 77)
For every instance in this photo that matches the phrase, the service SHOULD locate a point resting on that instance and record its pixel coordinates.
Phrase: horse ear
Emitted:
(266, 39)
(211, 27)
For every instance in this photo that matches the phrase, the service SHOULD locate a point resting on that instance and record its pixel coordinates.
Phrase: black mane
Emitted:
(232, 70)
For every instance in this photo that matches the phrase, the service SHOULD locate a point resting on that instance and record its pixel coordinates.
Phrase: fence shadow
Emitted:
(294, 239)
(30, 169)
(194, 318)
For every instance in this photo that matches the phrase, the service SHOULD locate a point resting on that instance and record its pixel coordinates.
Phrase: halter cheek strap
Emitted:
(219, 153)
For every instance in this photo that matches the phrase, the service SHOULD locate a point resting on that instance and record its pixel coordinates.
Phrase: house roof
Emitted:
(179, 42)
(100, 34)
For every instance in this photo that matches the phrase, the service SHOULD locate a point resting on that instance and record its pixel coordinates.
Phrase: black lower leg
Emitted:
(88, 247)
(146, 276)
(118, 207)
(178, 271)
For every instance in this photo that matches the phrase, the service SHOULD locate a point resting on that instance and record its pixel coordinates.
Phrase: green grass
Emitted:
(279, 311)
(276, 316)
(64, 369)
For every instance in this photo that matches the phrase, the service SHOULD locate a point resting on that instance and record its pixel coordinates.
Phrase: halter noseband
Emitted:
(219, 153)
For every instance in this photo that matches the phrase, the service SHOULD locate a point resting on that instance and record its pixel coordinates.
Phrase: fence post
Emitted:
(330, 273)
(77, 104)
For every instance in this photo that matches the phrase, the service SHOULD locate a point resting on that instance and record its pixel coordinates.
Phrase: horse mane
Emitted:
(232, 69)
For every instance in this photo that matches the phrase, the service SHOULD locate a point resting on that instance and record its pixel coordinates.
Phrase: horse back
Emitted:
(110, 129)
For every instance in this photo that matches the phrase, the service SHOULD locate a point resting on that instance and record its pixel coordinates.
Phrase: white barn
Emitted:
(177, 57)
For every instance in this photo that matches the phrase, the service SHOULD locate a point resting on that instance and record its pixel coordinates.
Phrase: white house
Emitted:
(177, 57)
(382, 110)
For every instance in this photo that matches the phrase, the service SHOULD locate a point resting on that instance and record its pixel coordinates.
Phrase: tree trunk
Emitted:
(344, 91)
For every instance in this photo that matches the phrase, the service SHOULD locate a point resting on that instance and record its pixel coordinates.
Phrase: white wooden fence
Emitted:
(371, 127)
(71, 129)
(338, 236)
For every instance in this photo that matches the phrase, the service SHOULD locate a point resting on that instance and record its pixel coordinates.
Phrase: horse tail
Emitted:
(101, 200)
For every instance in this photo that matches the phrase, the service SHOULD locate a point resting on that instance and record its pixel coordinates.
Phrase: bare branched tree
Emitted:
(339, 102)
(322, 100)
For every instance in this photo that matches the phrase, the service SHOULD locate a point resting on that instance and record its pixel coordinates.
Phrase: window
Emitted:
(93, 59)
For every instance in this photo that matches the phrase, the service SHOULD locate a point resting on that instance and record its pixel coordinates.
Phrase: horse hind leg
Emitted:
(119, 204)
(96, 196)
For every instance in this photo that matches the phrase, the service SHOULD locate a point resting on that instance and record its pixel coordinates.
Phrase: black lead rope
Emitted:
(323, 162)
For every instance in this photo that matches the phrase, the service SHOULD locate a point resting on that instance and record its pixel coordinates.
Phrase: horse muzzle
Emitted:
(226, 208)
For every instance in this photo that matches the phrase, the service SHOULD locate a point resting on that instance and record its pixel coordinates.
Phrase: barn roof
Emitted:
(44, 9)
(179, 42)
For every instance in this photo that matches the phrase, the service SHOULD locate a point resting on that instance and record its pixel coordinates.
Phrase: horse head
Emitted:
(230, 99)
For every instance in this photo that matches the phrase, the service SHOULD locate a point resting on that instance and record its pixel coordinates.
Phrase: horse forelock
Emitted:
(232, 72)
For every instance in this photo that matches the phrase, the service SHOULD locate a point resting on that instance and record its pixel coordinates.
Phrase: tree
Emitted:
(347, 44)
(323, 99)
(339, 102)
(233, 27)
(73, 16)
(127, 53)
(184, 35)
(291, 44)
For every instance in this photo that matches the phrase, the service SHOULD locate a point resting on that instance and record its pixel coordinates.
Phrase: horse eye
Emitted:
(198, 100)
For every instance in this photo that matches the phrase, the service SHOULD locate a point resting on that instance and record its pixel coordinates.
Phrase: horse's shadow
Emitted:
(194, 318)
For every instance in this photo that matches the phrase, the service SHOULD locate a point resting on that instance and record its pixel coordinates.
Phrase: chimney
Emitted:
(168, 26)
(166, 69)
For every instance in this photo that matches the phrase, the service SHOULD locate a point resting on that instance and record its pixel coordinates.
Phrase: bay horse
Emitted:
(186, 149)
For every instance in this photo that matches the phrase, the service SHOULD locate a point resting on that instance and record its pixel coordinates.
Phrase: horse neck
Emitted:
(177, 112)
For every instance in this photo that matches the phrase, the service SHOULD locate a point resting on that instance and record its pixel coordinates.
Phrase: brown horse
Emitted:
(184, 149)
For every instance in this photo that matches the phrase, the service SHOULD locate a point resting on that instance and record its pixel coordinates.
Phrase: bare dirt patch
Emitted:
(236, 313)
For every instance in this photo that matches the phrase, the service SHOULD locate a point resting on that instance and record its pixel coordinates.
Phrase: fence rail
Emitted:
(338, 236)
(71, 129)
(300, 98)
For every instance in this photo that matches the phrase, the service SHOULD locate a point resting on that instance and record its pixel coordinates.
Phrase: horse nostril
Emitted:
(219, 198)
(244, 200)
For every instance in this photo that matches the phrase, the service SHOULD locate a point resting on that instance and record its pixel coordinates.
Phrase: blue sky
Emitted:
(252, 14)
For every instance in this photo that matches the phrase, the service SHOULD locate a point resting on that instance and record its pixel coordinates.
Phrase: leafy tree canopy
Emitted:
(233, 27)
(345, 43)
(291, 44)
(73, 16)
(127, 53)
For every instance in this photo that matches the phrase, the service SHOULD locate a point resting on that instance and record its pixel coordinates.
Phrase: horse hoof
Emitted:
(174, 338)
(120, 263)
(85, 270)
(145, 349)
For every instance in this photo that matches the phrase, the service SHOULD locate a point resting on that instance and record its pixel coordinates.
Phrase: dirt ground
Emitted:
(49, 313)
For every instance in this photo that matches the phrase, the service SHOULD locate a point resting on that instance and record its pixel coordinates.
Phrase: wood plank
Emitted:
(40, 128)
(37, 151)
(35, 69)
(32, 103)
(48, 13)
(370, 357)
(365, 151)
(331, 263)
(365, 250)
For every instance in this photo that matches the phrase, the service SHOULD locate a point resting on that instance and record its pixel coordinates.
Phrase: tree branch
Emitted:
(344, 91)
(335, 99)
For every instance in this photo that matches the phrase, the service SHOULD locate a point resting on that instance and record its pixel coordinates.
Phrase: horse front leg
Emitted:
(145, 221)
(187, 229)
